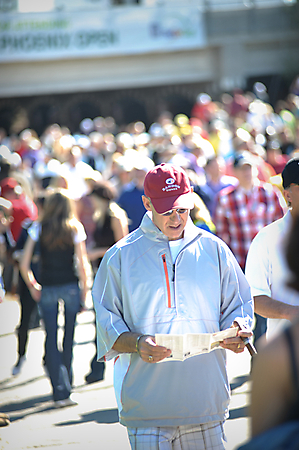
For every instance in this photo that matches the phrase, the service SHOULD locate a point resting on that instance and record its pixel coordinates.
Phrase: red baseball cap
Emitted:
(168, 187)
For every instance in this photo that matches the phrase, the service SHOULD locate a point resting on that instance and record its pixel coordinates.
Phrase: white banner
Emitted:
(114, 31)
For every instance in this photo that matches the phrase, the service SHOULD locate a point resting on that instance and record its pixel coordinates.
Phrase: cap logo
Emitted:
(170, 185)
(170, 181)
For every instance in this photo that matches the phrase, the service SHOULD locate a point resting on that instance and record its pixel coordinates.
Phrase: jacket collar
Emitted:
(152, 231)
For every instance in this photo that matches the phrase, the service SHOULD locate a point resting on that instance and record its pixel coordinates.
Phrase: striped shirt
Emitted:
(240, 214)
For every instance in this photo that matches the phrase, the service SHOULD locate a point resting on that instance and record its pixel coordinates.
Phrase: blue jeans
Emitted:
(59, 363)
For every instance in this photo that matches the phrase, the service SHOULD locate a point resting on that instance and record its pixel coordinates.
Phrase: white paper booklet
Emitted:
(184, 346)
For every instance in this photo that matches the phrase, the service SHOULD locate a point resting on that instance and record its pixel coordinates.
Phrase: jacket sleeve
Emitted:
(236, 298)
(107, 301)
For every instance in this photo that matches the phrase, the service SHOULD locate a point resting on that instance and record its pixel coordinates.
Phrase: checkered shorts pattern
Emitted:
(187, 437)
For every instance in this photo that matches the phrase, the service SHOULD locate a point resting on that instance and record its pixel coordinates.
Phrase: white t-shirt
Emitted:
(266, 267)
(175, 247)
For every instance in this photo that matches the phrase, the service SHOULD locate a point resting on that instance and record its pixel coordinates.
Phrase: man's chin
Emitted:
(175, 236)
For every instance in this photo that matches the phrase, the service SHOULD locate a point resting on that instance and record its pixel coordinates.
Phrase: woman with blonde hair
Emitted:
(62, 274)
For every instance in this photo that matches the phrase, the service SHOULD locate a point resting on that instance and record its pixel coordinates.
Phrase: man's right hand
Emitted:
(148, 350)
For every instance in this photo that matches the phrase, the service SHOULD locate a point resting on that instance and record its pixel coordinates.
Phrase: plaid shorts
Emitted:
(187, 437)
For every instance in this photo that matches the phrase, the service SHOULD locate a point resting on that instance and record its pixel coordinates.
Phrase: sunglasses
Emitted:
(179, 211)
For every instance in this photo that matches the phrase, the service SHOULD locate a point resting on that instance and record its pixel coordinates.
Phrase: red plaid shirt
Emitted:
(240, 214)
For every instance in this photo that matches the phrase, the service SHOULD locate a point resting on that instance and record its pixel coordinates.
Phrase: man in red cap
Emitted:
(170, 277)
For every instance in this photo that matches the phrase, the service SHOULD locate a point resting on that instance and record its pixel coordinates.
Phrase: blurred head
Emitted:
(74, 155)
(214, 168)
(101, 197)
(10, 188)
(141, 166)
(104, 190)
(290, 182)
(58, 181)
(58, 220)
(245, 169)
(58, 206)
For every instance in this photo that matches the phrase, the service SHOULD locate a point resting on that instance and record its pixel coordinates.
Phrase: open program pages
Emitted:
(184, 346)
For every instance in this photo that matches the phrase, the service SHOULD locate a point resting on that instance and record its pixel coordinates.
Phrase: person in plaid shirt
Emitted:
(241, 211)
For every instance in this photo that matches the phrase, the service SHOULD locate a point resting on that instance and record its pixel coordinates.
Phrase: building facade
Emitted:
(65, 60)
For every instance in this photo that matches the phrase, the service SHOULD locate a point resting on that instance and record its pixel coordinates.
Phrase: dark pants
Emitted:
(28, 306)
(97, 368)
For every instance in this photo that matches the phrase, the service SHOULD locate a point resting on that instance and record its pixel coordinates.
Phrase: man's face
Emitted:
(245, 174)
(213, 169)
(173, 225)
(292, 196)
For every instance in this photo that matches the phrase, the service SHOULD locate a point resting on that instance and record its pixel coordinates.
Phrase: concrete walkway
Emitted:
(93, 423)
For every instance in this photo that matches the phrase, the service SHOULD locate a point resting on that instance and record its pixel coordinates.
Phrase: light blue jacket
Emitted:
(138, 288)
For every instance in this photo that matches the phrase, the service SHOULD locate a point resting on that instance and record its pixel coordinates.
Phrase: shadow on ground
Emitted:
(238, 413)
(44, 404)
(28, 407)
(9, 383)
(103, 416)
(239, 381)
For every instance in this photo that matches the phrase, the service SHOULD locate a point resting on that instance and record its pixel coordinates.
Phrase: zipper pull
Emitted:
(173, 271)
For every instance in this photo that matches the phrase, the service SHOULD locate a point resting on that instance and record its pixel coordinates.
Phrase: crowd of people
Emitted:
(80, 209)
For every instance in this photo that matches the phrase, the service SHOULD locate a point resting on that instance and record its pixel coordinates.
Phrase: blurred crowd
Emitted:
(102, 168)
(204, 144)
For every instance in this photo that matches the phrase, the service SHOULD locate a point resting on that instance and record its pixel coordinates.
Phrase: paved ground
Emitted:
(93, 423)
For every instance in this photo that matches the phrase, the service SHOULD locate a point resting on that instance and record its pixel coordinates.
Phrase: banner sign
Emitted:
(104, 32)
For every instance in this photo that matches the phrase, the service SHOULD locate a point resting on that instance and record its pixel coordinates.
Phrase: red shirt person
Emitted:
(22, 206)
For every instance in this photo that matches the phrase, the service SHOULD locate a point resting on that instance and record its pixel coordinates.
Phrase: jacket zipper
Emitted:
(167, 281)
(166, 272)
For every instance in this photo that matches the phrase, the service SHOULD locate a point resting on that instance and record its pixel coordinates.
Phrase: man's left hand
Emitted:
(236, 344)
